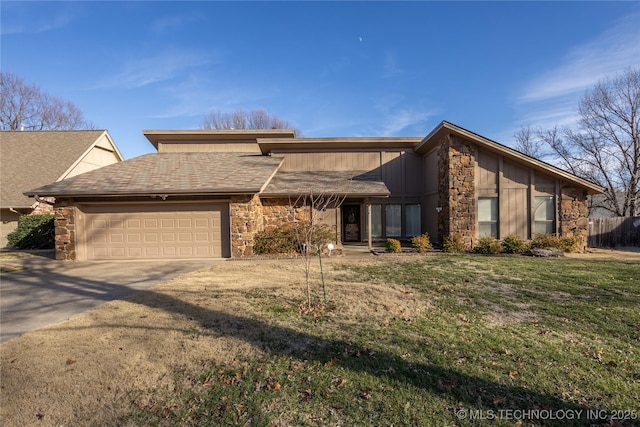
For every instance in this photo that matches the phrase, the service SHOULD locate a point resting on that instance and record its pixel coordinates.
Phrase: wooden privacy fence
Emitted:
(614, 232)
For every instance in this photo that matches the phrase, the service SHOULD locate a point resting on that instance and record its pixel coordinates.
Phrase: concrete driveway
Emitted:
(43, 291)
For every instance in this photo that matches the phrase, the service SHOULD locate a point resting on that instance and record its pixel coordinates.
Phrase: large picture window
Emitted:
(393, 220)
(488, 216)
(412, 220)
(376, 221)
(544, 215)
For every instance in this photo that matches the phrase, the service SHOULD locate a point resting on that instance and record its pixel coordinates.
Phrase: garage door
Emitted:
(156, 231)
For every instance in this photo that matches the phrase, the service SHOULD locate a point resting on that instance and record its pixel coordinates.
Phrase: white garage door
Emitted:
(156, 231)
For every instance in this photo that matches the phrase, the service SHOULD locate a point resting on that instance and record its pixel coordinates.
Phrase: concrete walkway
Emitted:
(41, 291)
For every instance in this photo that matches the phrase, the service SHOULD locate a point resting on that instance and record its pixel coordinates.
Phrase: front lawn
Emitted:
(498, 341)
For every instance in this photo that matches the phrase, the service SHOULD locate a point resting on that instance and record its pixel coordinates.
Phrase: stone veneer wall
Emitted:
(246, 220)
(573, 214)
(65, 225)
(250, 214)
(281, 211)
(456, 181)
(44, 207)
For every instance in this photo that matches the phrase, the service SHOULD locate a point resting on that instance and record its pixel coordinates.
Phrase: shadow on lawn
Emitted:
(461, 389)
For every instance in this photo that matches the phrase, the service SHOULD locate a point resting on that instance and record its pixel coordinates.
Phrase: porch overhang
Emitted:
(352, 184)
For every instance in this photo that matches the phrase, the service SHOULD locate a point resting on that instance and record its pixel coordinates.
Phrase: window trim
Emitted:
(551, 221)
(493, 223)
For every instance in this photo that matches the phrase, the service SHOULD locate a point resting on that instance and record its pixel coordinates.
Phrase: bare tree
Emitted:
(309, 233)
(24, 106)
(528, 143)
(240, 119)
(605, 148)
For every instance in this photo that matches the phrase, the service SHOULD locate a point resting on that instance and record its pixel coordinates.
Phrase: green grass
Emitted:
(502, 333)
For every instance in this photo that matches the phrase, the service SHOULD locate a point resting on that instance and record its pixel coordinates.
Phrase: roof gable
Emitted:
(445, 128)
(30, 159)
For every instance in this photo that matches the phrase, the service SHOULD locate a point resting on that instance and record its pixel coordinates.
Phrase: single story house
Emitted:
(30, 159)
(207, 193)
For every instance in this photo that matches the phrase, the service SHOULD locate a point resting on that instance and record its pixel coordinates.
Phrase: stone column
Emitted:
(573, 214)
(65, 228)
(456, 180)
(246, 220)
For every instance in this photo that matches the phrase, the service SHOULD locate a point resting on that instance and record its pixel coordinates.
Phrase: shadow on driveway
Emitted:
(39, 291)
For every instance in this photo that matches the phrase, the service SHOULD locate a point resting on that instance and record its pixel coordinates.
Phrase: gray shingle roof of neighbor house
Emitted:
(30, 159)
(352, 183)
(171, 174)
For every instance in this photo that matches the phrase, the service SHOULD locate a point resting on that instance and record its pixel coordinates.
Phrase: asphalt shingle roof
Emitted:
(171, 173)
(354, 183)
(29, 159)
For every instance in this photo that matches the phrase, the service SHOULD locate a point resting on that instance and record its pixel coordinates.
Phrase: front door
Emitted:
(351, 223)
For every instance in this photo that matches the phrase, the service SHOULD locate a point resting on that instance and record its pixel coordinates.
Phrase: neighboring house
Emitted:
(207, 193)
(30, 159)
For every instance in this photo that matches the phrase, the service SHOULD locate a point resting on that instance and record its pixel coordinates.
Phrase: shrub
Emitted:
(514, 245)
(453, 243)
(569, 244)
(291, 238)
(565, 244)
(487, 245)
(393, 246)
(33, 232)
(541, 241)
(421, 243)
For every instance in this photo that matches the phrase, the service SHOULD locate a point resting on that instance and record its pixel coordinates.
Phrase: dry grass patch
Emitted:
(400, 341)
(124, 350)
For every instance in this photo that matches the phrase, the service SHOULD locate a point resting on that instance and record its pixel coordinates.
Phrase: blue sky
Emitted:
(329, 68)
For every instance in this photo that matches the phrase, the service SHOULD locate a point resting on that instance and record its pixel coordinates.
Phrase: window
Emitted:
(376, 221)
(393, 223)
(412, 220)
(544, 215)
(488, 216)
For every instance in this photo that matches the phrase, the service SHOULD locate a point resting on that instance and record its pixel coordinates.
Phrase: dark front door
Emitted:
(351, 223)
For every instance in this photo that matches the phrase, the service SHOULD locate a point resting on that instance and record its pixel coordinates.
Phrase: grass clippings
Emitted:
(400, 341)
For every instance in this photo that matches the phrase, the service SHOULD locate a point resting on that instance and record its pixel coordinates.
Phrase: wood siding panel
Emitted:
(96, 158)
(167, 147)
(487, 172)
(392, 171)
(430, 173)
(514, 176)
(544, 184)
(430, 216)
(514, 216)
(412, 174)
(327, 161)
(330, 217)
